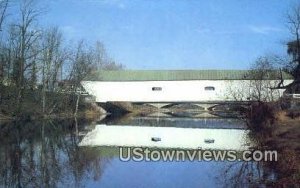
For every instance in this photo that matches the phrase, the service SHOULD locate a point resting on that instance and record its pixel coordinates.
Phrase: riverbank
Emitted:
(285, 140)
(36, 104)
(287, 132)
(86, 114)
(87, 111)
(279, 130)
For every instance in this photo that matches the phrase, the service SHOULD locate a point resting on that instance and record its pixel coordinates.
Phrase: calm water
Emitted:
(78, 153)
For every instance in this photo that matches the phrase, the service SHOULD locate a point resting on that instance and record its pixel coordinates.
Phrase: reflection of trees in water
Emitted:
(45, 154)
(246, 174)
(249, 173)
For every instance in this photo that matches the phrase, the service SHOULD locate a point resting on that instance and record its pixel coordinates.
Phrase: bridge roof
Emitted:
(170, 75)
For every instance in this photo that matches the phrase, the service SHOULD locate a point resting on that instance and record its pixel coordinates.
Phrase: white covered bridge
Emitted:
(181, 86)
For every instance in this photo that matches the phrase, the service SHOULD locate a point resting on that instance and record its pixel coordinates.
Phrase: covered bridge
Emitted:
(180, 85)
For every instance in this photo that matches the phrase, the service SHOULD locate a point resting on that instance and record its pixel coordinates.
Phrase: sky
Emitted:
(176, 34)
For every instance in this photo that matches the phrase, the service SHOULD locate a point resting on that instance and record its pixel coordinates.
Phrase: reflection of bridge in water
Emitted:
(169, 137)
(172, 132)
(136, 130)
(171, 121)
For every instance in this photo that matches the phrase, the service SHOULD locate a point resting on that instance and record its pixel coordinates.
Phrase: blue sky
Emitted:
(176, 34)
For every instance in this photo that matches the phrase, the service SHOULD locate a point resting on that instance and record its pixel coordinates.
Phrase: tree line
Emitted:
(33, 58)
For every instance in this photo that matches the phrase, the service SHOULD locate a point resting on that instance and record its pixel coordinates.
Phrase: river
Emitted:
(81, 153)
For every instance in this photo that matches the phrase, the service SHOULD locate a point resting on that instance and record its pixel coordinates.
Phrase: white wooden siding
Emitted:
(171, 91)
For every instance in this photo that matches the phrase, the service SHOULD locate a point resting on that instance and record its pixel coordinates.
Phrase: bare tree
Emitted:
(101, 59)
(263, 78)
(3, 8)
(24, 36)
(85, 60)
(82, 64)
(293, 24)
(53, 57)
(260, 83)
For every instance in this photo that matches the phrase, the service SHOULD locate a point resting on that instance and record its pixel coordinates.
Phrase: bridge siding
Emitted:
(171, 91)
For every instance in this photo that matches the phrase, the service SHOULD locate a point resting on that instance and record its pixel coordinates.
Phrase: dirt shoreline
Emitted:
(285, 139)
(287, 134)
